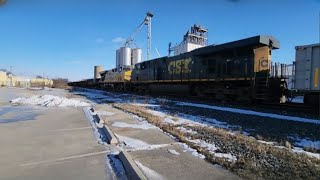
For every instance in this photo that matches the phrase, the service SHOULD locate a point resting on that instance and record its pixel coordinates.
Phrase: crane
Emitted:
(147, 22)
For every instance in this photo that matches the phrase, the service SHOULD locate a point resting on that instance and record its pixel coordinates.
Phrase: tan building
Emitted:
(18, 81)
(3, 78)
(41, 82)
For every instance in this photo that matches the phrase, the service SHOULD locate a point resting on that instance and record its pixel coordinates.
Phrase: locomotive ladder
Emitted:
(261, 87)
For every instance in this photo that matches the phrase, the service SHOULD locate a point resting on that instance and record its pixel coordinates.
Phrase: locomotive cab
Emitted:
(268, 85)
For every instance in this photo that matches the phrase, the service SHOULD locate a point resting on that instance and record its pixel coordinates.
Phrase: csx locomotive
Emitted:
(237, 71)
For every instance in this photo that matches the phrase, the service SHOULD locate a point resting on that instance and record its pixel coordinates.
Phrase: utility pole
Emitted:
(148, 23)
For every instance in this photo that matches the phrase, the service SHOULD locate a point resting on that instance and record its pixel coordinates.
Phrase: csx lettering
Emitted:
(179, 66)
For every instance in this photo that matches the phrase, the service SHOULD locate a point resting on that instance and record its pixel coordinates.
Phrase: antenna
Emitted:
(157, 52)
(170, 49)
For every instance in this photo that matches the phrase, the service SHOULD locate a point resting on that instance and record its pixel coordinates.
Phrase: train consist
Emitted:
(237, 71)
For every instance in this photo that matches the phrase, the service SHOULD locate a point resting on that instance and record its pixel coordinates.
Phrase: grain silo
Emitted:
(118, 58)
(136, 56)
(125, 56)
(97, 70)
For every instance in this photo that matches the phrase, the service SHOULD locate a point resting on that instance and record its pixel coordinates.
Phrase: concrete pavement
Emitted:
(50, 143)
(58, 143)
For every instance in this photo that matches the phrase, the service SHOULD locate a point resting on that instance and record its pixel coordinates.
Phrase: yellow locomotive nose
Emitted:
(262, 59)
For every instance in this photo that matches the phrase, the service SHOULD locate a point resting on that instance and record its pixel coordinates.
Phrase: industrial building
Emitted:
(196, 38)
(3, 78)
(10, 80)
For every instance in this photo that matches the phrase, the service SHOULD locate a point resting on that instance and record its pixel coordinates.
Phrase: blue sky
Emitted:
(66, 38)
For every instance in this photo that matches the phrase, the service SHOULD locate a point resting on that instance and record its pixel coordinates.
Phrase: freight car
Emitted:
(238, 71)
(306, 77)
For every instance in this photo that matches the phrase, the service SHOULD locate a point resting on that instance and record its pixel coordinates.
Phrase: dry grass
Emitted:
(254, 159)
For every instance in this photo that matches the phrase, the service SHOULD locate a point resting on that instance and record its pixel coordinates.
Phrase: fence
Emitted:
(284, 71)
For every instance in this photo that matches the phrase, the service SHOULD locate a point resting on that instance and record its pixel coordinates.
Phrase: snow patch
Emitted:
(250, 112)
(49, 101)
(137, 117)
(212, 148)
(140, 125)
(194, 152)
(111, 99)
(144, 105)
(35, 88)
(157, 113)
(201, 143)
(189, 120)
(308, 143)
(185, 130)
(170, 121)
(245, 133)
(227, 156)
(104, 113)
(97, 95)
(302, 143)
(310, 154)
(174, 152)
(136, 144)
(151, 174)
(267, 142)
(91, 94)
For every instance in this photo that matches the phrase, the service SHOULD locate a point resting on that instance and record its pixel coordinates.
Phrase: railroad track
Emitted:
(288, 108)
(294, 107)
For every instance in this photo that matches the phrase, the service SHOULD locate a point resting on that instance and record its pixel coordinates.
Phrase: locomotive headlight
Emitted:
(264, 63)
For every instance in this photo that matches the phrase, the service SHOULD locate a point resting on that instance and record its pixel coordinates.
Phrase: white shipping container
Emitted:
(307, 67)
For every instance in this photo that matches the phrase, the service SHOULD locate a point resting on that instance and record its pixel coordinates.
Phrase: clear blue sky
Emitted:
(66, 38)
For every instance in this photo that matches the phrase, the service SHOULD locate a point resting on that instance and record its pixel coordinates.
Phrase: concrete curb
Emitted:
(132, 170)
(130, 166)
(96, 116)
(111, 137)
(99, 119)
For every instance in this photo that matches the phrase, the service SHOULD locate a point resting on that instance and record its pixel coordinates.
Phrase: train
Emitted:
(235, 71)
